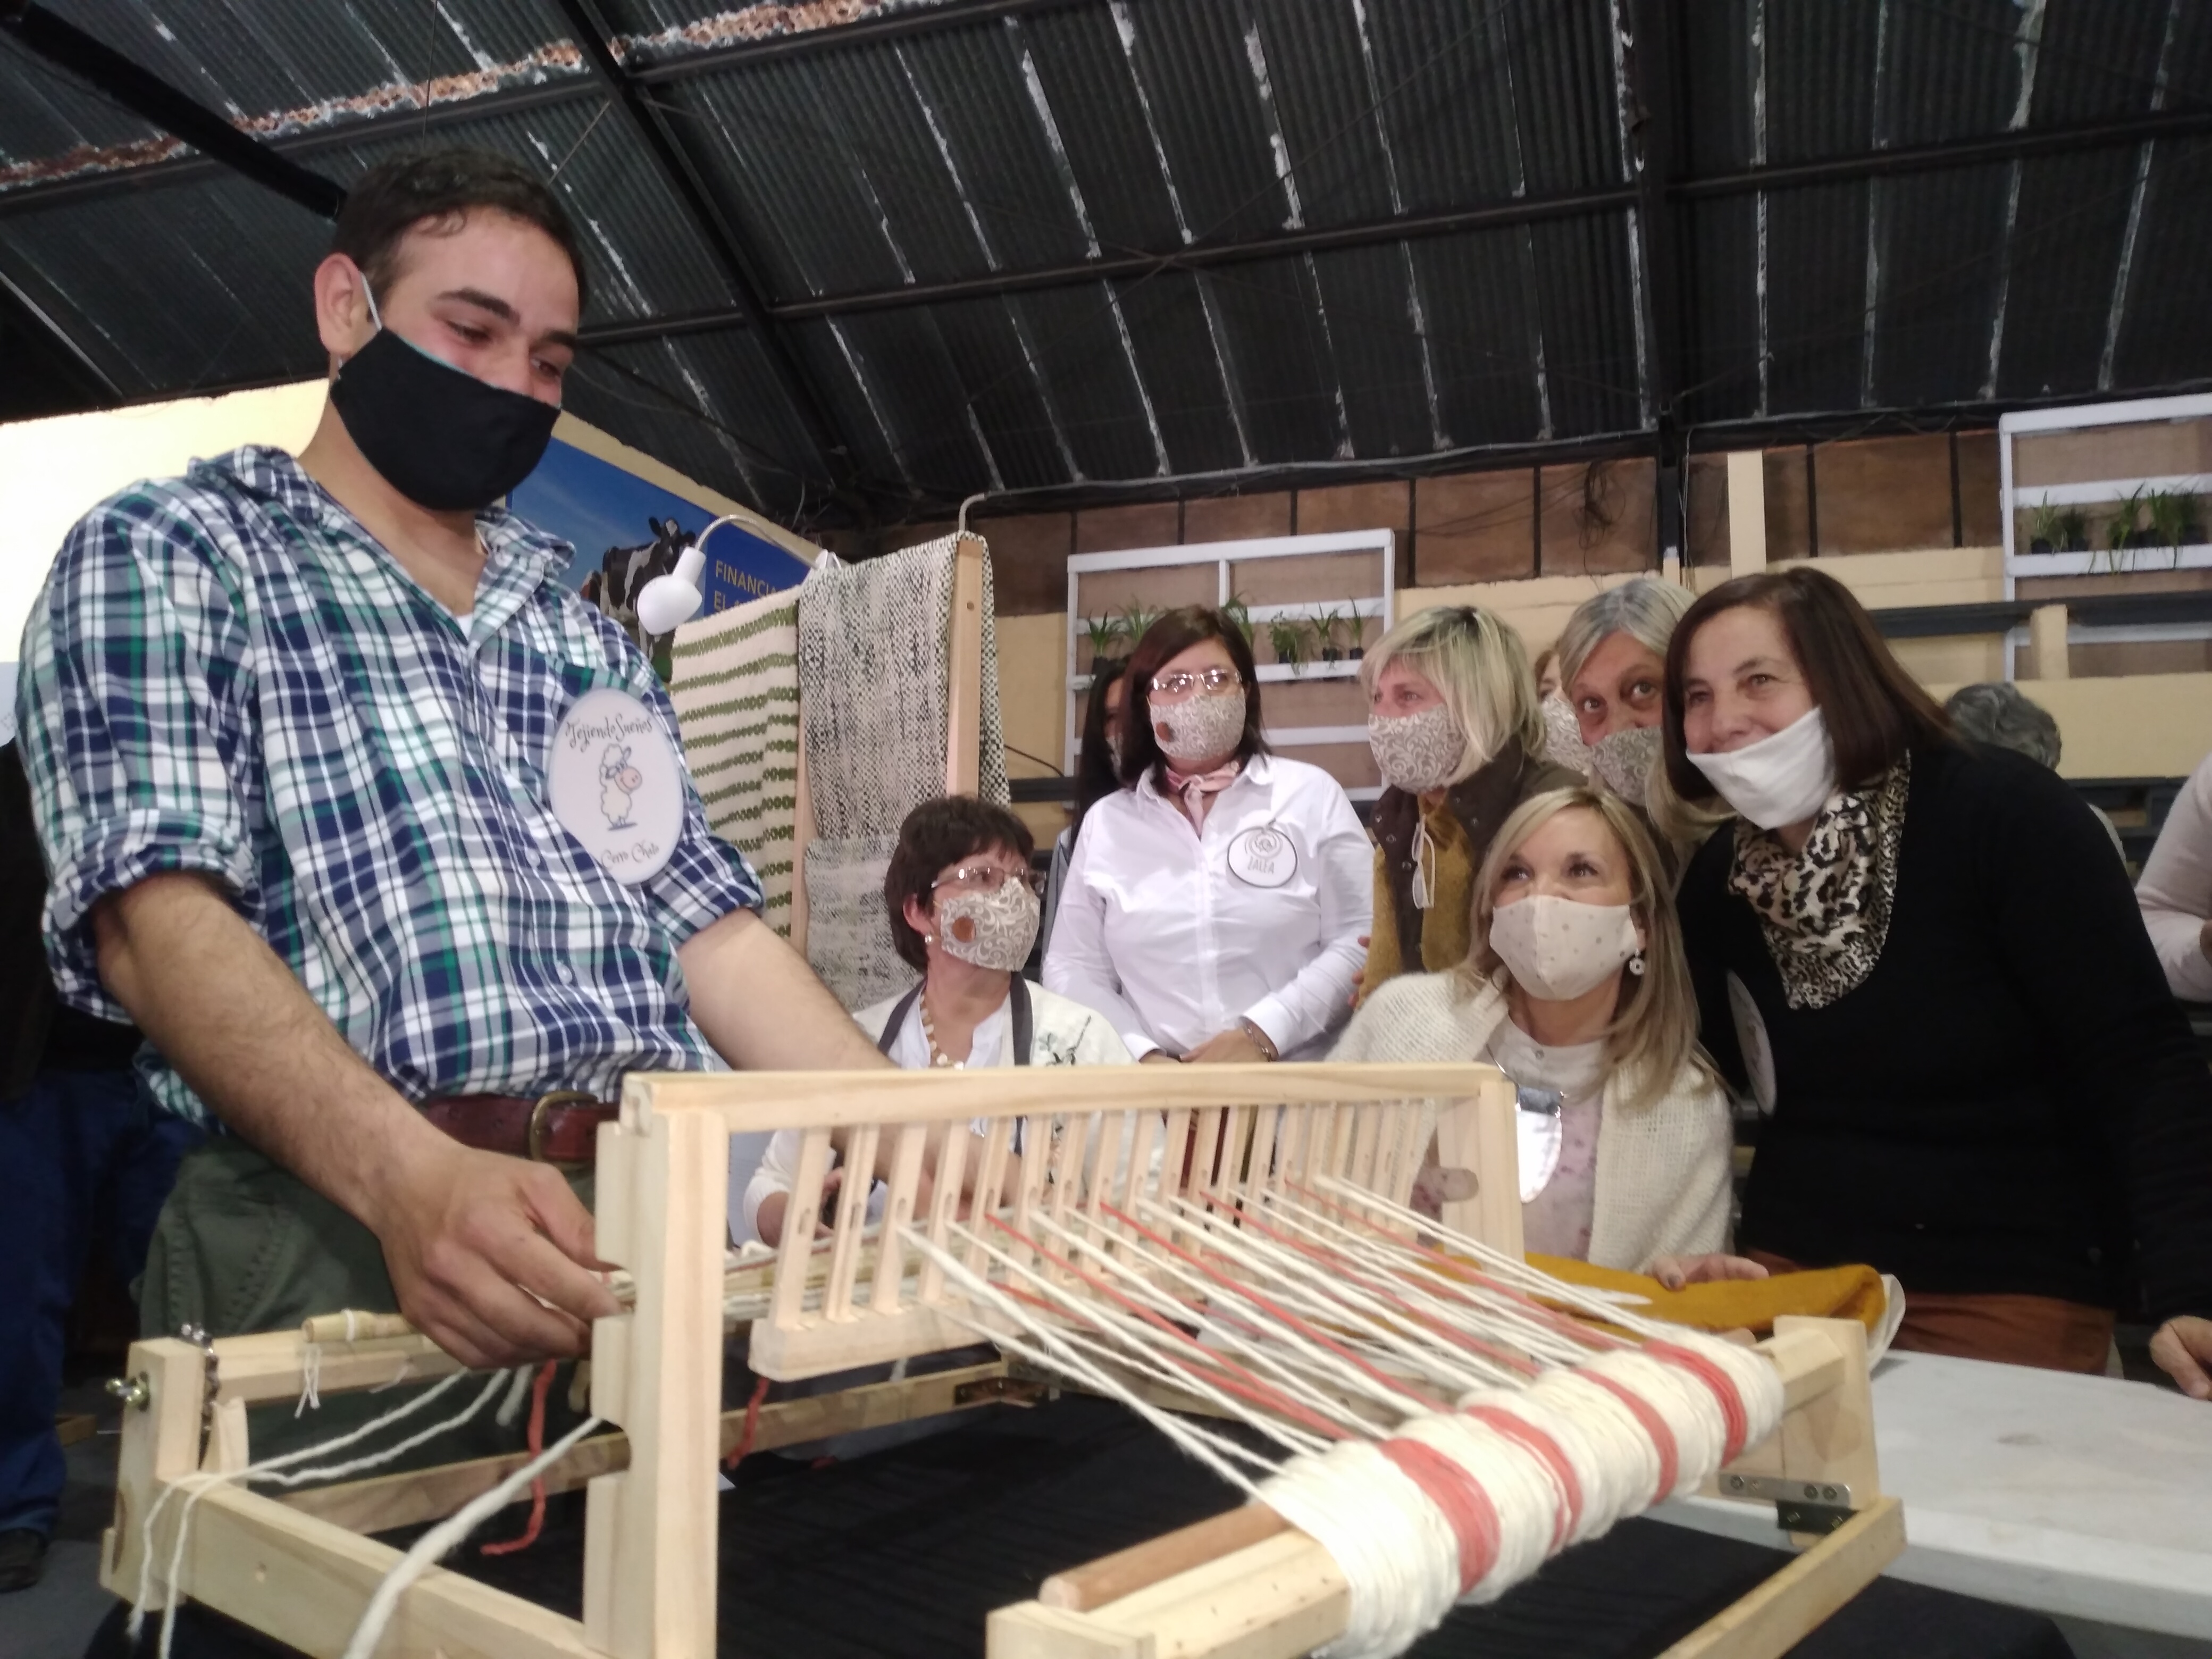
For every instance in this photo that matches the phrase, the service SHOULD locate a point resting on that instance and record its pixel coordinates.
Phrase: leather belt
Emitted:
(561, 1127)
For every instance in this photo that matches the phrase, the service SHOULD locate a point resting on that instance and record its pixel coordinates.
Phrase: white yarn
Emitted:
(517, 1393)
(1394, 1548)
(1517, 1485)
(434, 1543)
(195, 1484)
(311, 1376)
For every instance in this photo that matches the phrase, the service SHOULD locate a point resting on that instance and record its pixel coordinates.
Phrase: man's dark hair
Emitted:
(1163, 642)
(1874, 710)
(935, 834)
(444, 187)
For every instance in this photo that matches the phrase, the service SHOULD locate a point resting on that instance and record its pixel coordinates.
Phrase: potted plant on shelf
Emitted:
(2073, 530)
(1238, 610)
(1288, 637)
(2173, 519)
(1327, 626)
(1104, 633)
(2043, 529)
(1135, 619)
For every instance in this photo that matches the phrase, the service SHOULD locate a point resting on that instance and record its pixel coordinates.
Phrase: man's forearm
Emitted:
(763, 1007)
(236, 1025)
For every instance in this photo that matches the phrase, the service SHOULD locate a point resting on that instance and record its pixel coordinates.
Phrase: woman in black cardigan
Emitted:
(1921, 958)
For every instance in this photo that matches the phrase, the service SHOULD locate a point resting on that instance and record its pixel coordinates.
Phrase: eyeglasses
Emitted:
(988, 878)
(1213, 680)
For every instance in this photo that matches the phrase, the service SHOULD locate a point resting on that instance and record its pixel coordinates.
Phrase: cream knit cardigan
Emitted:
(1662, 1170)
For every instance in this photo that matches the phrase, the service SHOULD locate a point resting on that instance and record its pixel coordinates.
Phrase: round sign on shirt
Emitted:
(1262, 857)
(615, 784)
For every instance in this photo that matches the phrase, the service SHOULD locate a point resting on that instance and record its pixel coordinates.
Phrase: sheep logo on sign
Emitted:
(1262, 857)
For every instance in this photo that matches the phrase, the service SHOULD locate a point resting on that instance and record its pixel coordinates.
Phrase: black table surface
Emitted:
(902, 1554)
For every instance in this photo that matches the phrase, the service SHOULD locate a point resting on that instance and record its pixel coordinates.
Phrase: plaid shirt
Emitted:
(225, 673)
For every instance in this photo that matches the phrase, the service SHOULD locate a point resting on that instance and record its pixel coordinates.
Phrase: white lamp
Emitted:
(667, 601)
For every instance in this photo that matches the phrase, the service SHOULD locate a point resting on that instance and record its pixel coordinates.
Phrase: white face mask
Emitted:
(989, 930)
(1557, 949)
(1203, 728)
(1417, 752)
(1785, 778)
(1624, 759)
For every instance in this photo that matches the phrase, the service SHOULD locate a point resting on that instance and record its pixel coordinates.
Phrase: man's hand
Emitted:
(1159, 1057)
(1676, 1270)
(2183, 1349)
(1233, 1047)
(492, 1257)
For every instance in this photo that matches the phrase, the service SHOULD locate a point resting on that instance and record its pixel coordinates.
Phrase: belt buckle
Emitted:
(543, 1108)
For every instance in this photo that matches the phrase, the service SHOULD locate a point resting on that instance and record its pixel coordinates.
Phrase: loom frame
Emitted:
(299, 1572)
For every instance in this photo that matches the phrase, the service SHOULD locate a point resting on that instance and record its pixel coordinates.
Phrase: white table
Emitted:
(2082, 1496)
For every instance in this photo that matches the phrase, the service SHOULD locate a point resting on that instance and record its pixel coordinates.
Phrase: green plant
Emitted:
(1239, 612)
(1327, 625)
(2073, 531)
(1135, 619)
(2127, 520)
(1288, 635)
(1102, 632)
(2042, 524)
(2171, 513)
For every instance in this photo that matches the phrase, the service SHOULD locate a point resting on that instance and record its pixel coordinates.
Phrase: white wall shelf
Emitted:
(2043, 425)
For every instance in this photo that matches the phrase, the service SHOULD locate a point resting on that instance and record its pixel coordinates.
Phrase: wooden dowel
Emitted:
(355, 1327)
(1110, 1577)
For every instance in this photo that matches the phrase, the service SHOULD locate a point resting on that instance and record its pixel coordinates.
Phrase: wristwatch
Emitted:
(1264, 1043)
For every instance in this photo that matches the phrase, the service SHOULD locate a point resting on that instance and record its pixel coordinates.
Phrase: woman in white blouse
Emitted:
(1214, 907)
(963, 910)
(1576, 990)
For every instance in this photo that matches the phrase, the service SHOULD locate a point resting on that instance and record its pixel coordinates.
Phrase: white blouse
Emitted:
(1175, 933)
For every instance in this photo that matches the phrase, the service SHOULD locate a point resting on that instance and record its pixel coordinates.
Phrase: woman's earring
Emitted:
(930, 938)
(1636, 964)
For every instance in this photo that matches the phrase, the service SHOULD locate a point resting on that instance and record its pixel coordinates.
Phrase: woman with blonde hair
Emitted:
(1459, 739)
(1578, 990)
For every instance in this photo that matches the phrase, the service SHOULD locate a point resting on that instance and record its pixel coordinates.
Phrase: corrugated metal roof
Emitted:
(851, 150)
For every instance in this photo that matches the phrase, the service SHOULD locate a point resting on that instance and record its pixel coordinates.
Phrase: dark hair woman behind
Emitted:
(1921, 958)
(1097, 774)
(1214, 903)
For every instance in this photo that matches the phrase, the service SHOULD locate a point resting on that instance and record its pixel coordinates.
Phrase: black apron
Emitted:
(1017, 993)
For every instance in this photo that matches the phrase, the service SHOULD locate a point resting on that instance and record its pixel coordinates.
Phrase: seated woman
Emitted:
(1459, 739)
(1576, 990)
(1215, 902)
(1922, 960)
(964, 910)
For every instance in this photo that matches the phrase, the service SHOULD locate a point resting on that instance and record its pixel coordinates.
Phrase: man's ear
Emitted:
(342, 318)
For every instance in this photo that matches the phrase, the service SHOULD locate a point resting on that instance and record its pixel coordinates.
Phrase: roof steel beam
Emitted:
(750, 309)
(154, 100)
(1949, 153)
(893, 26)
(410, 124)
(1202, 256)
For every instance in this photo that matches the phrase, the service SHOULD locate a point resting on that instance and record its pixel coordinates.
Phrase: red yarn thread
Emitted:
(1466, 1506)
(537, 1442)
(1548, 1452)
(1722, 1384)
(752, 1423)
(1663, 1437)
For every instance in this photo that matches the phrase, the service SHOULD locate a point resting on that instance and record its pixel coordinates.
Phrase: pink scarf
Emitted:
(1197, 794)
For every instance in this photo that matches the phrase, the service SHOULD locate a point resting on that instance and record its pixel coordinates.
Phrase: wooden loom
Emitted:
(300, 1570)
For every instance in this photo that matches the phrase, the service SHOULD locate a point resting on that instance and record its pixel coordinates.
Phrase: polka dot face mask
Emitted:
(1559, 949)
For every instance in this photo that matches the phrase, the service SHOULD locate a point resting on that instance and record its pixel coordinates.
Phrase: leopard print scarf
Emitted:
(1825, 912)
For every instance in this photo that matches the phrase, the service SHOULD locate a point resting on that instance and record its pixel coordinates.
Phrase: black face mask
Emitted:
(441, 437)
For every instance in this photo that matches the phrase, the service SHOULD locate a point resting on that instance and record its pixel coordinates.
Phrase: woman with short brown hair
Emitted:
(1921, 958)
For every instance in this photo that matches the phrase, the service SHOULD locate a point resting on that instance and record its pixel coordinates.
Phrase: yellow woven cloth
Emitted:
(1733, 1305)
(1444, 924)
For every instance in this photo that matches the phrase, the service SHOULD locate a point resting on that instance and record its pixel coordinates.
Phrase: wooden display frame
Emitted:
(295, 1571)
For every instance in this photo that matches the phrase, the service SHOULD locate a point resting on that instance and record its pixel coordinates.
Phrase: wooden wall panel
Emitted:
(1236, 518)
(1475, 527)
(1884, 494)
(1598, 517)
(1789, 534)
(1029, 560)
(1139, 524)
(1981, 515)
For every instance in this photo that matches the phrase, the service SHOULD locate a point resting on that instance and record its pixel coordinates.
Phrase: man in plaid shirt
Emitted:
(288, 725)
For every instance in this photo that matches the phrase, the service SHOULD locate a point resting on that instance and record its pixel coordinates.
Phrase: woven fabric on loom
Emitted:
(735, 692)
(873, 654)
(848, 932)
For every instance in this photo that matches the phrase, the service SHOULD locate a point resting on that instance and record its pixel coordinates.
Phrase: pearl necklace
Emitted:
(938, 1057)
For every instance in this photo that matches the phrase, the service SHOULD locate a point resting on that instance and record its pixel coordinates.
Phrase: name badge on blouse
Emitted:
(617, 785)
(1262, 857)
